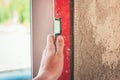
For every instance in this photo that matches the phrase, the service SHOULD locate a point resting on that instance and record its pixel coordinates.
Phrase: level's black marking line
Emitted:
(72, 38)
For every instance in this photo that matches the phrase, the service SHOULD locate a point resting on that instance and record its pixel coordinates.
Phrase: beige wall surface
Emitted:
(42, 25)
(97, 40)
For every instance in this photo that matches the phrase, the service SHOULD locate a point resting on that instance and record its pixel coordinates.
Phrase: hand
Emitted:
(52, 59)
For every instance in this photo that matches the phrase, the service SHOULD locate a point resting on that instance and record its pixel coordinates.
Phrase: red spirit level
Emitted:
(63, 26)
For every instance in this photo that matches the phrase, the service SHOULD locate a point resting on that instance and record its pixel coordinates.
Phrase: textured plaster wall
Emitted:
(97, 39)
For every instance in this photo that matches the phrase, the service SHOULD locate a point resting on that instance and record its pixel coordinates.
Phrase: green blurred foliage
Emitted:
(21, 6)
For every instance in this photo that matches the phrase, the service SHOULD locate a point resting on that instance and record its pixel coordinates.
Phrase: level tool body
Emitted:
(63, 26)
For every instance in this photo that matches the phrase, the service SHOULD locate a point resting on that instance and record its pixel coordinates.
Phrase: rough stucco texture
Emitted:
(97, 39)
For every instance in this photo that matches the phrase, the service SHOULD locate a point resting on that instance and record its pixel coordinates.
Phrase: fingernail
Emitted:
(60, 38)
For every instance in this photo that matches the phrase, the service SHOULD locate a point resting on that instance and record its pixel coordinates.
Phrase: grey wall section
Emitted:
(42, 25)
(96, 39)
